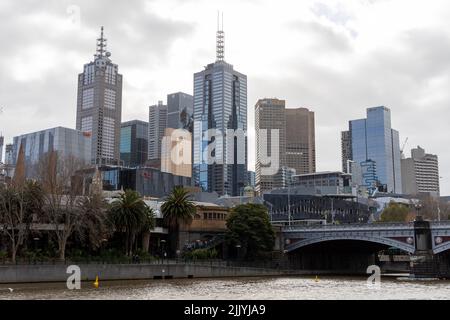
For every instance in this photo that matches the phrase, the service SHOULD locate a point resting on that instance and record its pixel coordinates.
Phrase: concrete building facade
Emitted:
(420, 173)
(300, 140)
(346, 149)
(270, 121)
(176, 150)
(157, 124)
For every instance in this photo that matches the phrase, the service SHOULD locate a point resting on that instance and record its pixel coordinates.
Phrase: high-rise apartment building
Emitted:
(270, 125)
(157, 124)
(68, 143)
(220, 127)
(420, 173)
(300, 140)
(134, 143)
(99, 106)
(376, 148)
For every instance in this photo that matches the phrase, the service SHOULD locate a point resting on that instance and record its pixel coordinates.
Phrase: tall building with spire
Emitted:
(99, 106)
(220, 126)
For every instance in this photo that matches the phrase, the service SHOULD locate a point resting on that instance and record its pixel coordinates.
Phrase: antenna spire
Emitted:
(101, 45)
(220, 40)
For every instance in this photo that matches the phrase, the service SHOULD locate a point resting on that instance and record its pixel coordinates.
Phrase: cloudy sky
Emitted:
(336, 57)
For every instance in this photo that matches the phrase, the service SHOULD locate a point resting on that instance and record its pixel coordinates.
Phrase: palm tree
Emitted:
(177, 209)
(129, 214)
(93, 228)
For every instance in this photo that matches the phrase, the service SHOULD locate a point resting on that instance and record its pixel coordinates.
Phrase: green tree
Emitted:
(177, 209)
(250, 230)
(131, 216)
(396, 212)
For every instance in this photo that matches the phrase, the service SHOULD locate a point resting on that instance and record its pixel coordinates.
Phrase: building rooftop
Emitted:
(322, 173)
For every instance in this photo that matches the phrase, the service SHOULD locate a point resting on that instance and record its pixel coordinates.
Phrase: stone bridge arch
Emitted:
(373, 239)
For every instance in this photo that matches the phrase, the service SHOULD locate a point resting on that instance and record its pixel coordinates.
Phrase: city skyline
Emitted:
(299, 77)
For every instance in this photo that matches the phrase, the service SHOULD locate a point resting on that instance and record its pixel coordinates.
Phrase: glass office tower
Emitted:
(134, 143)
(374, 141)
(179, 110)
(66, 142)
(220, 104)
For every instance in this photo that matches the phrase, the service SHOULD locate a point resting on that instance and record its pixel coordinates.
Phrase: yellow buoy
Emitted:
(96, 283)
(317, 278)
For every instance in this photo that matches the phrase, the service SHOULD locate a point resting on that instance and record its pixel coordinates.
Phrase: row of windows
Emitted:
(86, 124)
(110, 99)
(108, 137)
(88, 99)
(214, 216)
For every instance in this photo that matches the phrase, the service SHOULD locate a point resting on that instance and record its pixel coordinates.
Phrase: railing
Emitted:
(445, 223)
(275, 264)
(358, 226)
(204, 244)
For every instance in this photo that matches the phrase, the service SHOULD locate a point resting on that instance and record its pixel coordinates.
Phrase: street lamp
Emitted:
(163, 251)
(238, 247)
(439, 205)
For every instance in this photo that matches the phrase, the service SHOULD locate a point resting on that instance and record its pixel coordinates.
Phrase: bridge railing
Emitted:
(445, 223)
(356, 226)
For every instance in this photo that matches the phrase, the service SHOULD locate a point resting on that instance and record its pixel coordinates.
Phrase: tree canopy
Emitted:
(396, 212)
(250, 230)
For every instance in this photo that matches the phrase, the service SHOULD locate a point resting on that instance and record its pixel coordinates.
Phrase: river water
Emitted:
(289, 288)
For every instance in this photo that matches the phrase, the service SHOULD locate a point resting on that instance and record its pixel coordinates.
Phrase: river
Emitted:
(288, 288)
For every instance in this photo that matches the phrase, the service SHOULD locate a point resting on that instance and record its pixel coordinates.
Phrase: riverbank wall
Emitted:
(89, 272)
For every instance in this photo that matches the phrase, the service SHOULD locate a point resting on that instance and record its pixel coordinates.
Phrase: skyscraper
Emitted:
(346, 148)
(134, 143)
(157, 124)
(420, 173)
(99, 106)
(2, 141)
(220, 126)
(180, 109)
(178, 135)
(376, 146)
(270, 115)
(300, 140)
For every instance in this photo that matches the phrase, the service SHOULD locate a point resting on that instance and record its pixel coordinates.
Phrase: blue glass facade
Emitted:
(220, 103)
(376, 147)
(134, 143)
(66, 142)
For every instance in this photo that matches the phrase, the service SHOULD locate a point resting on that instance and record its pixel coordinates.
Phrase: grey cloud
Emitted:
(325, 37)
(51, 100)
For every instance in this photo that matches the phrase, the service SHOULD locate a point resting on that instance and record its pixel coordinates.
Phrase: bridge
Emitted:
(427, 242)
